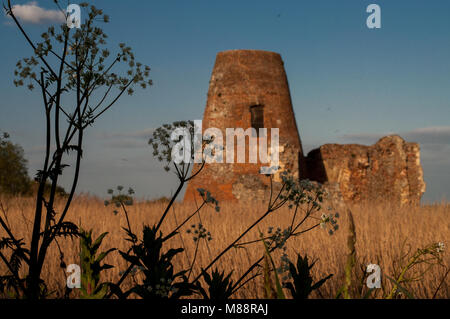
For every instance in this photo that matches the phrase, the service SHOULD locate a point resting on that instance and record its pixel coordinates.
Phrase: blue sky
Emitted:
(349, 84)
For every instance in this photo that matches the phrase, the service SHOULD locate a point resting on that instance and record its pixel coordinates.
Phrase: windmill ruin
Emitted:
(249, 89)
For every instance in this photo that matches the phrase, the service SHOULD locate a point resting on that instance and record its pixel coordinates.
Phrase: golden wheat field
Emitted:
(384, 235)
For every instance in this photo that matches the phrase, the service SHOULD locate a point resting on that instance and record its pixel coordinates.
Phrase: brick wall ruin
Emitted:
(249, 88)
(389, 170)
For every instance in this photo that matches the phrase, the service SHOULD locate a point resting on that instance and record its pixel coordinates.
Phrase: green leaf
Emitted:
(98, 242)
(131, 259)
(402, 289)
(280, 293)
(104, 254)
(321, 282)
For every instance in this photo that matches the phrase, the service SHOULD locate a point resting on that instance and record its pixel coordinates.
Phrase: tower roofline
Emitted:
(234, 51)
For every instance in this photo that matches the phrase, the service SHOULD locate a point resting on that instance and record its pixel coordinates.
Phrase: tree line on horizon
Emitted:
(14, 178)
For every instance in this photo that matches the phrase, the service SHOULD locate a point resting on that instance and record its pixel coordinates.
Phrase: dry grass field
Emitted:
(384, 235)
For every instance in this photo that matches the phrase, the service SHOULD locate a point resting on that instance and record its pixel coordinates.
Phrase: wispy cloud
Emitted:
(125, 143)
(126, 140)
(424, 135)
(31, 12)
(432, 135)
(142, 134)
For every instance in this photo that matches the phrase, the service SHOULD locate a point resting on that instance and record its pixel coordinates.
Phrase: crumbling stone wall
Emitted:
(389, 170)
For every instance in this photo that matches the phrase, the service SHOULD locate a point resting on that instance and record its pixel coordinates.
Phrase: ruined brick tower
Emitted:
(248, 88)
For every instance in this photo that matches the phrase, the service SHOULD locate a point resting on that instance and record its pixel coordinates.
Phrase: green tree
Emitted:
(13, 168)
